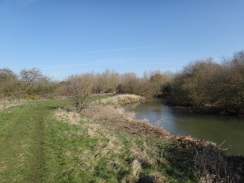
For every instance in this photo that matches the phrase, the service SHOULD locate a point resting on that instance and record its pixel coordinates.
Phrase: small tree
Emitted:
(78, 90)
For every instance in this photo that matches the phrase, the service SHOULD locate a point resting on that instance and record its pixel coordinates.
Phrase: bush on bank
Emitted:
(210, 87)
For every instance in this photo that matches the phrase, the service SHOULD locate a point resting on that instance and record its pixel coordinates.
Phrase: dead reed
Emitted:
(212, 163)
(122, 99)
(116, 118)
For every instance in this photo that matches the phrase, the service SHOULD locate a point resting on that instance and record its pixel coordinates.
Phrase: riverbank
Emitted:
(181, 121)
(206, 158)
(43, 142)
(208, 108)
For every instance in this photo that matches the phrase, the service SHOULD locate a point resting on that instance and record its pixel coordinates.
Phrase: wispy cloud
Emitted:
(71, 65)
(118, 49)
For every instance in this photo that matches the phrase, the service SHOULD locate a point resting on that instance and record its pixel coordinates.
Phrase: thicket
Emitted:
(204, 85)
(207, 86)
(28, 84)
(112, 82)
(32, 84)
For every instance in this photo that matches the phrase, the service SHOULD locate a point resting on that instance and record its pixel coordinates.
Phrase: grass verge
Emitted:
(41, 142)
(21, 141)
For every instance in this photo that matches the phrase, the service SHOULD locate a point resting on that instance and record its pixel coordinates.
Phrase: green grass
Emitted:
(36, 146)
(21, 141)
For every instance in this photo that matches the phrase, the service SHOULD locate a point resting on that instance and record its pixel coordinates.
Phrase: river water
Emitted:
(227, 131)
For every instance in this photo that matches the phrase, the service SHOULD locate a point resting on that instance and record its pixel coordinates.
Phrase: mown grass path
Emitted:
(39, 146)
(21, 141)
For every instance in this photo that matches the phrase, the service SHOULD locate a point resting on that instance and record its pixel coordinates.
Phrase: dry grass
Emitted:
(136, 168)
(115, 117)
(92, 129)
(6, 103)
(113, 149)
(91, 126)
(207, 159)
(69, 117)
(122, 99)
(212, 163)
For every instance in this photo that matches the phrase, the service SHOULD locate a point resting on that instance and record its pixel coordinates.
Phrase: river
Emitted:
(227, 131)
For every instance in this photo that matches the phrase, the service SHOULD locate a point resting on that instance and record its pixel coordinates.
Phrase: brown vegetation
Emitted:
(116, 118)
(70, 117)
(121, 99)
(77, 89)
(115, 152)
(129, 83)
(29, 84)
(149, 86)
(210, 87)
(203, 85)
(207, 158)
(211, 162)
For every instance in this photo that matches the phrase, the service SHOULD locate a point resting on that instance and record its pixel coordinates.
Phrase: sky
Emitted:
(64, 37)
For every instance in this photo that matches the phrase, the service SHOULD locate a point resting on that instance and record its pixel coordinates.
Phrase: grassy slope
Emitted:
(37, 146)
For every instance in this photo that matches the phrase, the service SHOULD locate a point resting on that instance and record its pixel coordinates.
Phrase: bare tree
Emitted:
(108, 81)
(77, 89)
(34, 83)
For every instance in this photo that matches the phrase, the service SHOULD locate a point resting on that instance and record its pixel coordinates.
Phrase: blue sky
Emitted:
(63, 37)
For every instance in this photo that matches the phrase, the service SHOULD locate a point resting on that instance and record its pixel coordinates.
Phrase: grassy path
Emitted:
(21, 141)
(40, 143)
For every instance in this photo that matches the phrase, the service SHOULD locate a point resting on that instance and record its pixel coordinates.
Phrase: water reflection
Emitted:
(179, 121)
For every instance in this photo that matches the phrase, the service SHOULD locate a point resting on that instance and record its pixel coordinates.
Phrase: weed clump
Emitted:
(211, 163)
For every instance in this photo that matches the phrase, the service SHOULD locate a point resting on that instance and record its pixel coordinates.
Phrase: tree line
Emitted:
(203, 85)
(207, 86)
(28, 84)
(32, 84)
